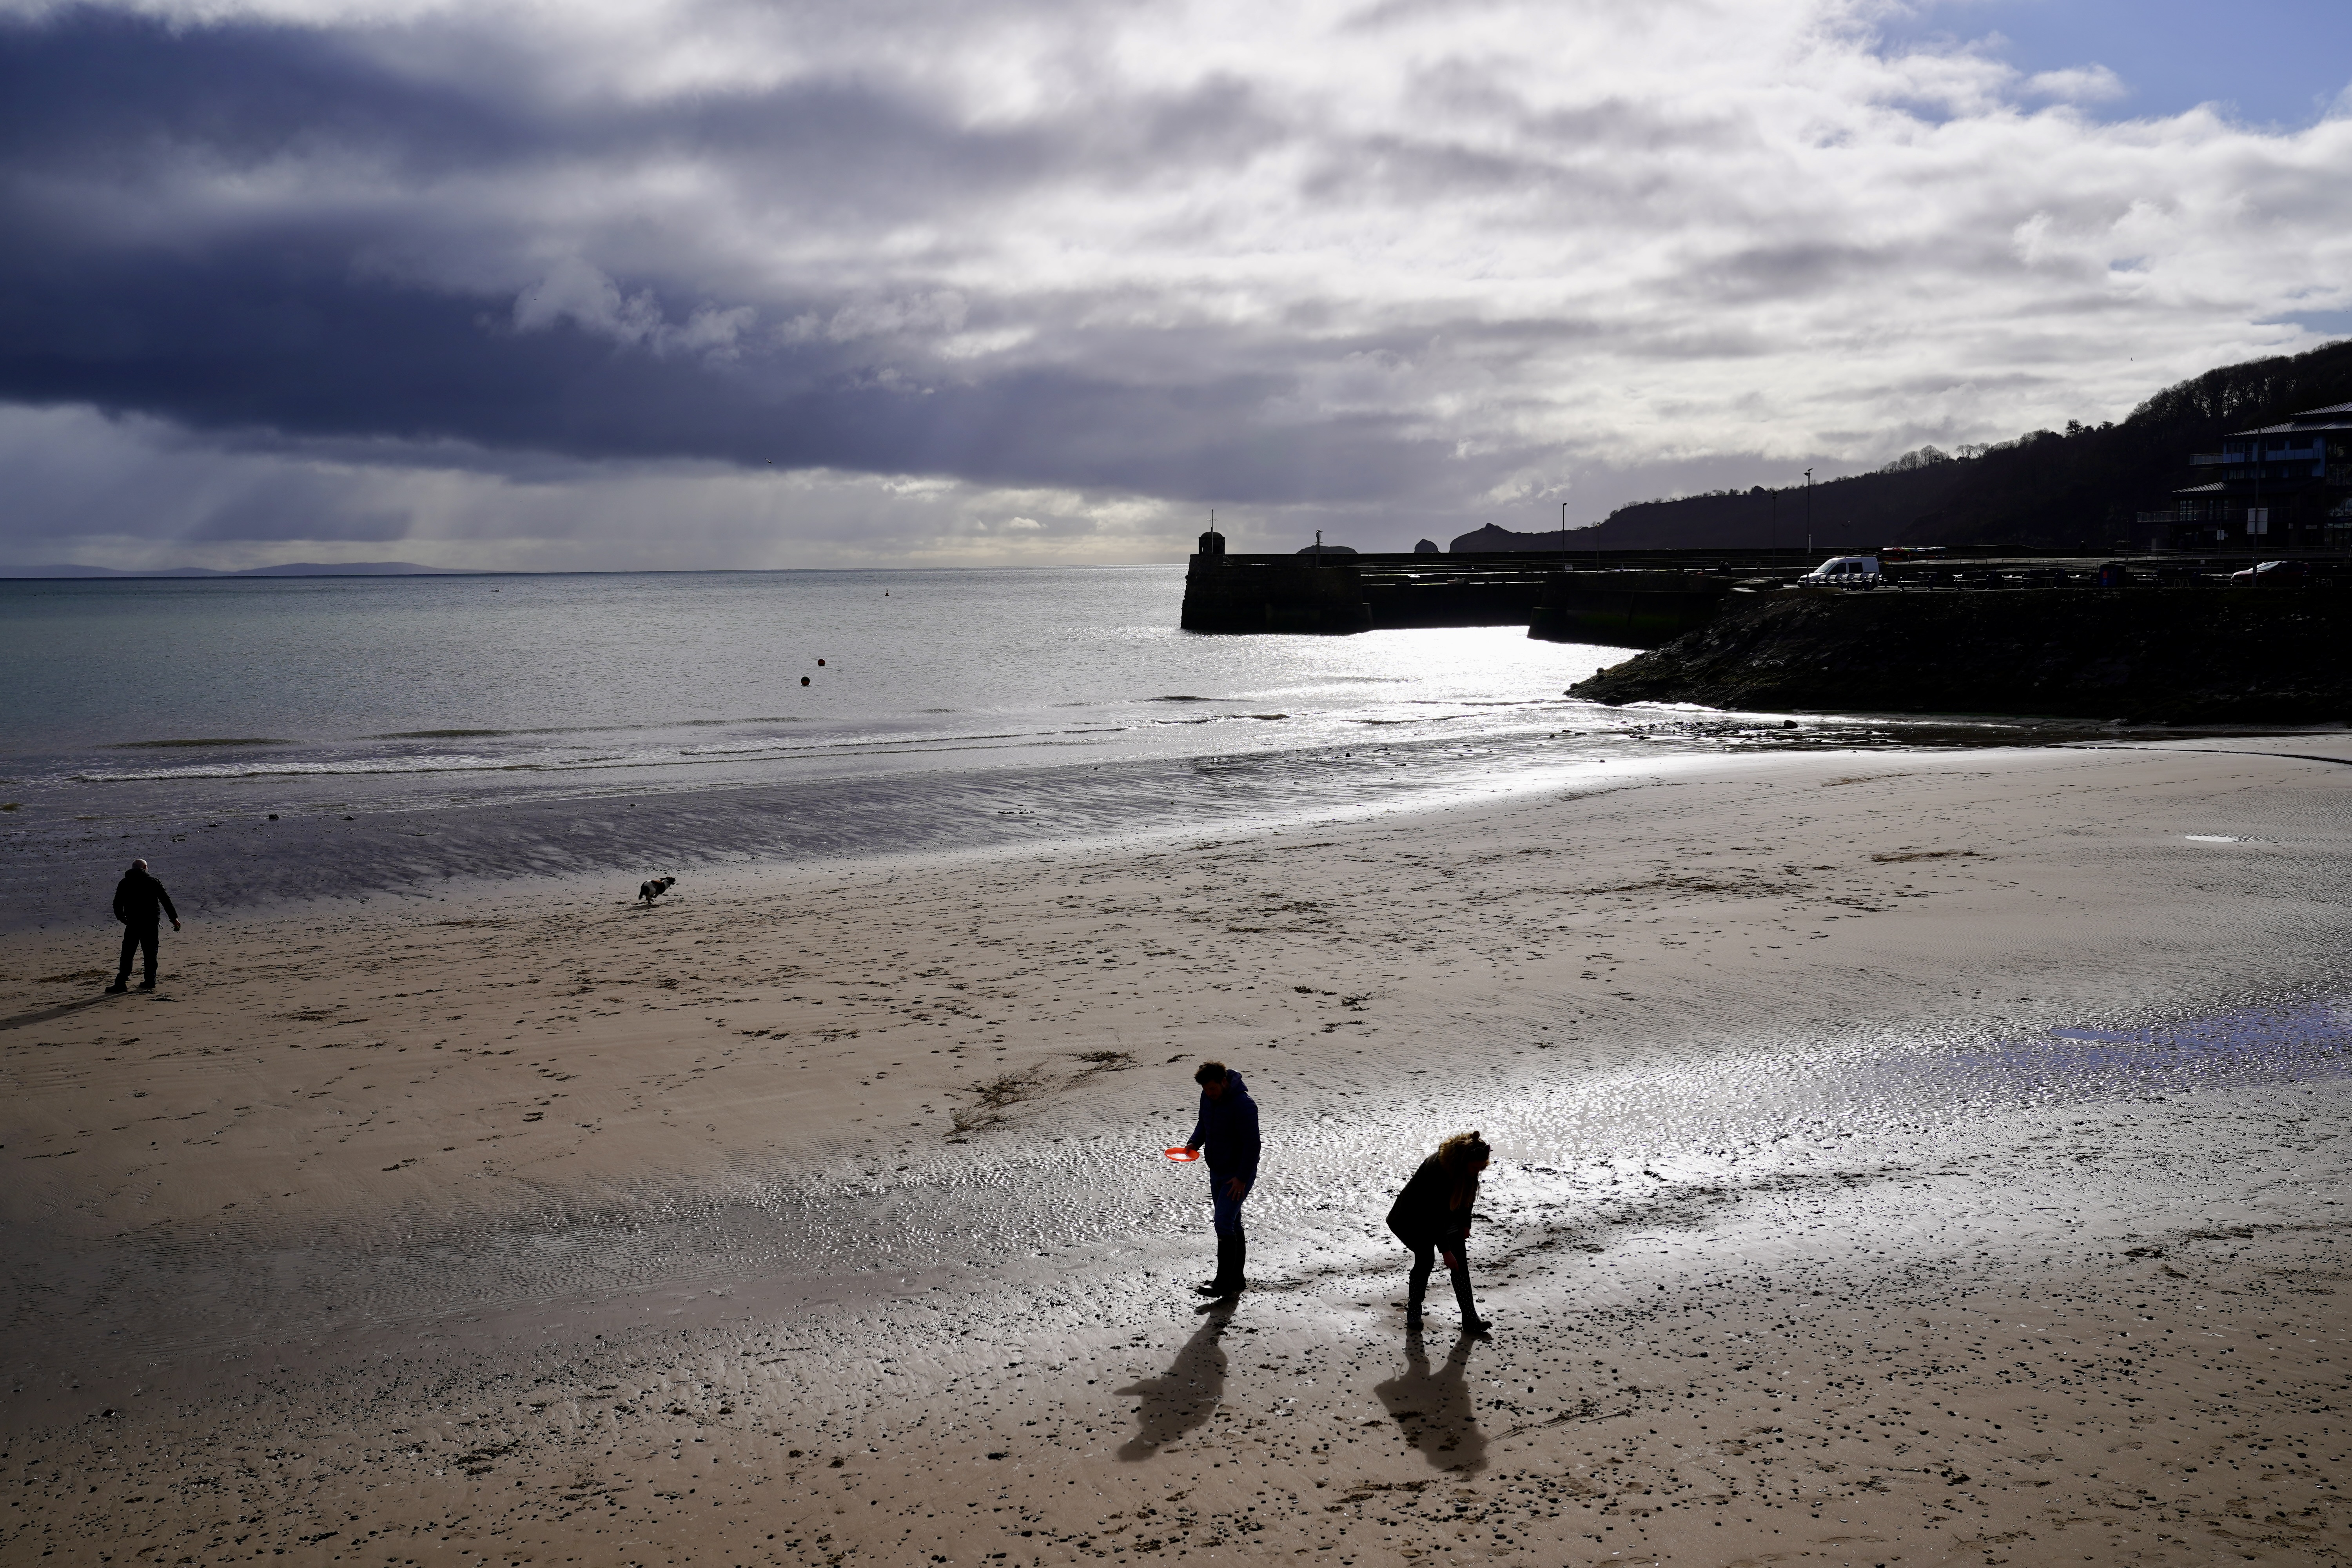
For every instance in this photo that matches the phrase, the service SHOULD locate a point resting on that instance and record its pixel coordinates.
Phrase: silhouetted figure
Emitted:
(1436, 1415)
(139, 903)
(1228, 1130)
(1432, 1215)
(1182, 1397)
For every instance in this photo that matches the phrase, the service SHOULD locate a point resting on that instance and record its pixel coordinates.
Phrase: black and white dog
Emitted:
(657, 888)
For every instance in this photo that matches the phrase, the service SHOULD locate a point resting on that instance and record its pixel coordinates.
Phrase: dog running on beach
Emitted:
(654, 889)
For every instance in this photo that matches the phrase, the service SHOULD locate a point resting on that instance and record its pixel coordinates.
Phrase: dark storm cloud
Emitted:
(96, 95)
(298, 332)
(302, 329)
(102, 95)
(276, 335)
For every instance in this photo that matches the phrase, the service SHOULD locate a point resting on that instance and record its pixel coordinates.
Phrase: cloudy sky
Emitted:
(841, 282)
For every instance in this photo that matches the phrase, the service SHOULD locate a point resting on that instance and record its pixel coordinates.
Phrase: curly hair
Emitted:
(1461, 1153)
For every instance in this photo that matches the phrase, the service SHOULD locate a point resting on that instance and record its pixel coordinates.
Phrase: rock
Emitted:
(2195, 655)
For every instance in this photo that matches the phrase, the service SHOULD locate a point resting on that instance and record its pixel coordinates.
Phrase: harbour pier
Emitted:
(1640, 600)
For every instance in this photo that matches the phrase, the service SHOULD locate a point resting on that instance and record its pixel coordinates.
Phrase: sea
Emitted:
(275, 739)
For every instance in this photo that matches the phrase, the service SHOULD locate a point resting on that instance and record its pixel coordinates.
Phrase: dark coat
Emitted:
(1227, 1130)
(137, 899)
(1423, 1215)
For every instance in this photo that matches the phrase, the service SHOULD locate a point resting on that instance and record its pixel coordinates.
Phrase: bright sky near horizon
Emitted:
(717, 283)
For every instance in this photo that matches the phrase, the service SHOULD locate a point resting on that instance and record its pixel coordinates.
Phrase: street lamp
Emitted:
(1809, 511)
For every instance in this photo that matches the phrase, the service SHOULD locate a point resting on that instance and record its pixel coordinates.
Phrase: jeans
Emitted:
(1226, 1208)
(1425, 1259)
(137, 938)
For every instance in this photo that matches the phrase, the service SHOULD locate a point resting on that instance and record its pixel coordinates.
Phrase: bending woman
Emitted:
(1432, 1215)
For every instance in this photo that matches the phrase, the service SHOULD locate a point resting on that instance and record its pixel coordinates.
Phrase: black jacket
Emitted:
(1423, 1215)
(1228, 1130)
(137, 898)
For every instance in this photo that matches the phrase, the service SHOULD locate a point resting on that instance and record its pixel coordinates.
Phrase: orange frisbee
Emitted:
(1182, 1156)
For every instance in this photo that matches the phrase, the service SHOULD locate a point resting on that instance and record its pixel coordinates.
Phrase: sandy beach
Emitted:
(1907, 1158)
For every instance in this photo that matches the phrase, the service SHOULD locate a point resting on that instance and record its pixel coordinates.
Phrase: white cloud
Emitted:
(575, 291)
(1567, 250)
(2079, 84)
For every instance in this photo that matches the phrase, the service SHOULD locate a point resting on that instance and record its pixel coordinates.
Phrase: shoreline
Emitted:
(263, 855)
(1685, 939)
(236, 859)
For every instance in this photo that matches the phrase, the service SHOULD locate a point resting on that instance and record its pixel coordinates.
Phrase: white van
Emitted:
(1845, 571)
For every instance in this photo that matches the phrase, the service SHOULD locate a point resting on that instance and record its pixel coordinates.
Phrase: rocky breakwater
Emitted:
(2142, 654)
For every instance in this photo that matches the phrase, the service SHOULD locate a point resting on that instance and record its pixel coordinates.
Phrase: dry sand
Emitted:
(814, 1219)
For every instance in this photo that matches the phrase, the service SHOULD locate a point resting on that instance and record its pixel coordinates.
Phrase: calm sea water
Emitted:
(407, 732)
(114, 682)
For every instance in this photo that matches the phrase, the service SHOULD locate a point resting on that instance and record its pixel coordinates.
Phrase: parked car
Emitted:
(2273, 575)
(1845, 571)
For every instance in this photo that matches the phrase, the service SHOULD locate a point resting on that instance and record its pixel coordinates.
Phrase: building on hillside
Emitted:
(2283, 487)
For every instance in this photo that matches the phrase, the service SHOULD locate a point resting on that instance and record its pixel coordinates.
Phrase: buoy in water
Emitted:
(804, 680)
(820, 664)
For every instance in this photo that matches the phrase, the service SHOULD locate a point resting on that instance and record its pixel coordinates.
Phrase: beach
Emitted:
(1901, 1156)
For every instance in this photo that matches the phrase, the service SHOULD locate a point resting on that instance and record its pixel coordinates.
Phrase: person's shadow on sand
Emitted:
(50, 1015)
(1182, 1397)
(1434, 1412)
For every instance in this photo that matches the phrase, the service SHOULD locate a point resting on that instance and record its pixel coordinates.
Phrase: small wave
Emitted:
(437, 735)
(289, 770)
(212, 741)
(460, 762)
(1183, 699)
(541, 730)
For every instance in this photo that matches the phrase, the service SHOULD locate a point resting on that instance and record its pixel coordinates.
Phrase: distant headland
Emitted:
(289, 569)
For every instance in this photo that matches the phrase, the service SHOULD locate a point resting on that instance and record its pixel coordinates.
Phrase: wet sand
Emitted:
(815, 1218)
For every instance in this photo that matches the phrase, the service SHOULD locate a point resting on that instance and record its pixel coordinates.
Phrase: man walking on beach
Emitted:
(1228, 1130)
(139, 903)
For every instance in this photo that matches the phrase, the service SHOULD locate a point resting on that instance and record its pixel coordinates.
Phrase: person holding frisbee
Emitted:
(1432, 1215)
(1228, 1132)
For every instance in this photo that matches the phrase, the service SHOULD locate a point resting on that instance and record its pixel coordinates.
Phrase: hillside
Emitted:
(2079, 487)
